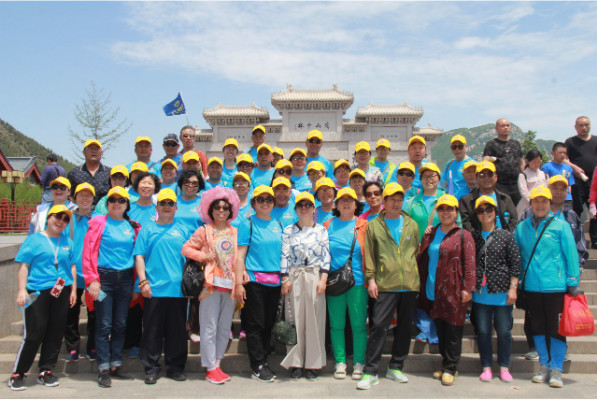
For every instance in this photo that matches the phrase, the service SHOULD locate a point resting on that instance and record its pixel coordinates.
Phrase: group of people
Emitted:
(424, 246)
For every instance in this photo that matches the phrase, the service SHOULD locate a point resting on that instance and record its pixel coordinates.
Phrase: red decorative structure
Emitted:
(15, 216)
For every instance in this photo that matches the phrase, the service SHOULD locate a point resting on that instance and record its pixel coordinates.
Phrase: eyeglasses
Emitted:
(221, 208)
(241, 184)
(281, 190)
(406, 173)
(488, 174)
(62, 217)
(345, 200)
(119, 200)
(164, 203)
(261, 200)
(58, 187)
(315, 141)
(428, 177)
(170, 144)
(457, 147)
(304, 204)
(313, 172)
(284, 171)
(298, 158)
(483, 210)
(191, 183)
(375, 193)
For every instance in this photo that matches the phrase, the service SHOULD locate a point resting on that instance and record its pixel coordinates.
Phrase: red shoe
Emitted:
(223, 374)
(214, 377)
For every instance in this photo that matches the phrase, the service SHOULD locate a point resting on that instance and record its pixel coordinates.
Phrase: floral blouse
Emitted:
(307, 247)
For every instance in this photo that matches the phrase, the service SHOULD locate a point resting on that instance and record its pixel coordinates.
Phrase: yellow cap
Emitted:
(258, 128)
(118, 190)
(447, 200)
(540, 191)
(169, 161)
(85, 186)
(485, 165)
(241, 175)
(62, 181)
(417, 138)
(92, 141)
(558, 178)
(264, 146)
(341, 162)
(60, 208)
(484, 200)
(244, 157)
(120, 169)
(392, 188)
(470, 163)
(315, 134)
(231, 142)
(143, 139)
(357, 171)
(139, 166)
(383, 142)
(283, 164)
(458, 138)
(316, 165)
(277, 150)
(362, 146)
(407, 165)
(429, 167)
(190, 155)
(304, 196)
(324, 182)
(281, 180)
(167, 194)
(263, 189)
(298, 150)
(346, 192)
(216, 160)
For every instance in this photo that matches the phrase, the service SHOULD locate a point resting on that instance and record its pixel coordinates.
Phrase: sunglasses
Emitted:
(445, 209)
(314, 140)
(170, 144)
(406, 173)
(241, 184)
(261, 200)
(58, 187)
(221, 208)
(191, 184)
(164, 203)
(119, 200)
(304, 204)
(375, 193)
(457, 147)
(485, 174)
(483, 210)
(285, 171)
(298, 158)
(62, 217)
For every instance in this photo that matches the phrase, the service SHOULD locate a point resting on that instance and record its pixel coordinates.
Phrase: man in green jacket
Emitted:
(391, 246)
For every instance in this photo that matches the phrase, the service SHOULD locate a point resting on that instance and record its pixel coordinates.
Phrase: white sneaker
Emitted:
(357, 372)
(542, 375)
(195, 338)
(555, 379)
(340, 371)
(367, 381)
(396, 375)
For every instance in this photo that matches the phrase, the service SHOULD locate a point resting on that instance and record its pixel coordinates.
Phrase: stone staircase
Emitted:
(423, 357)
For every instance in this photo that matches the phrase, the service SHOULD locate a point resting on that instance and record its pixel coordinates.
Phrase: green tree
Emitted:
(530, 143)
(98, 119)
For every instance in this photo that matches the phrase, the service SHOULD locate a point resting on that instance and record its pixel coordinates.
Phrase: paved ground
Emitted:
(7, 240)
(241, 386)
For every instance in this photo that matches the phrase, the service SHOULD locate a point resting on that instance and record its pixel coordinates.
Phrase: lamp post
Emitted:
(13, 178)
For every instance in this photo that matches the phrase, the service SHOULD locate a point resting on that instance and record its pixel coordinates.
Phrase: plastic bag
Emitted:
(577, 319)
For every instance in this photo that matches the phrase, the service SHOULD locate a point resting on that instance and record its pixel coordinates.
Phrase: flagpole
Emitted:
(185, 109)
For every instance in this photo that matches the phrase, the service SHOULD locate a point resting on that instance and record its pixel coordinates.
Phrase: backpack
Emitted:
(193, 278)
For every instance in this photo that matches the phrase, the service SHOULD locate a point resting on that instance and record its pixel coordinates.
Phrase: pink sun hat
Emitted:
(218, 193)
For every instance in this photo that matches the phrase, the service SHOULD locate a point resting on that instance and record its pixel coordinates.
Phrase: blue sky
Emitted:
(465, 63)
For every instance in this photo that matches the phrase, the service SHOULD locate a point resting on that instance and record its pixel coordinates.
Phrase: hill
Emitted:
(476, 139)
(14, 143)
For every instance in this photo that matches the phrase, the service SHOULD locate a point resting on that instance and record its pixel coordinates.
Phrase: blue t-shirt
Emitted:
(329, 168)
(491, 299)
(260, 177)
(228, 174)
(384, 167)
(161, 245)
(301, 183)
(265, 247)
(116, 246)
(173, 186)
(150, 165)
(498, 223)
(433, 260)
(371, 216)
(323, 216)
(188, 213)
(285, 215)
(37, 251)
(341, 234)
(395, 226)
(552, 168)
(210, 185)
(79, 229)
(252, 151)
(157, 167)
(144, 215)
(463, 191)
(455, 168)
(243, 213)
(429, 201)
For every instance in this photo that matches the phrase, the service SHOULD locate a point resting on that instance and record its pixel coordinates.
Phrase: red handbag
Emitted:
(577, 319)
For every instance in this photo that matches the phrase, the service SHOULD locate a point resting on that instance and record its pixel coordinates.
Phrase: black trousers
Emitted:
(545, 310)
(72, 338)
(450, 344)
(511, 190)
(528, 331)
(134, 327)
(580, 196)
(383, 310)
(44, 325)
(164, 320)
(259, 314)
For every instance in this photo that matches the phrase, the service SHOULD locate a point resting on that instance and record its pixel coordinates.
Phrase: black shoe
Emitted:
(103, 379)
(46, 378)
(270, 370)
(296, 373)
(151, 379)
(263, 373)
(177, 376)
(17, 382)
(118, 373)
(311, 374)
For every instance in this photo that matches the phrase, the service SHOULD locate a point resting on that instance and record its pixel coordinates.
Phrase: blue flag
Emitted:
(175, 107)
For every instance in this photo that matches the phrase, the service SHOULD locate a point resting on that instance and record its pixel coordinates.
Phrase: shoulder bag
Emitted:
(342, 279)
(283, 331)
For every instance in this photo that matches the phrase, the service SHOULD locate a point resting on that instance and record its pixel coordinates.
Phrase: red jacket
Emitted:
(453, 275)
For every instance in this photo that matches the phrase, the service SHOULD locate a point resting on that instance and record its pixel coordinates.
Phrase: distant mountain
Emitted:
(476, 138)
(14, 143)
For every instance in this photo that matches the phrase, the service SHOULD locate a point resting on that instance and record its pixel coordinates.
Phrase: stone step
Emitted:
(588, 285)
(519, 314)
(589, 273)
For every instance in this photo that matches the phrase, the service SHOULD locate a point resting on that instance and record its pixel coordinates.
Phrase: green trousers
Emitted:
(356, 301)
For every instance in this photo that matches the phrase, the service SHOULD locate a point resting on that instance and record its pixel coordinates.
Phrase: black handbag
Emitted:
(193, 278)
(283, 331)
(342, 279)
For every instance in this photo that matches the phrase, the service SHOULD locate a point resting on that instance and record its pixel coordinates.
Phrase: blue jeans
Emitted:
(111, 315)
(501, 316)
